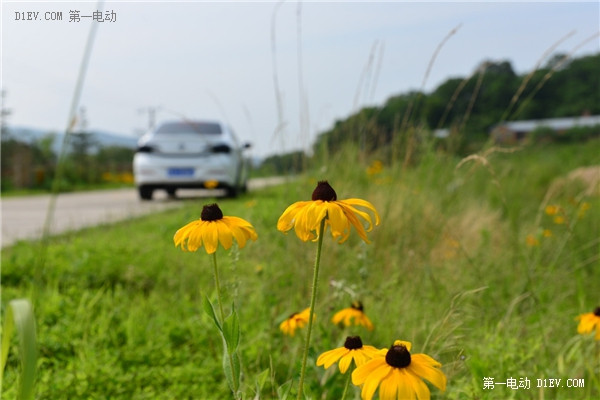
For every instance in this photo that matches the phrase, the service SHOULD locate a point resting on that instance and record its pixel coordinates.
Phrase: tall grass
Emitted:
(449, 268)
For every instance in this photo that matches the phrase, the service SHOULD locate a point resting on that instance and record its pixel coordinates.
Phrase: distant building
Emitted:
(515, 131)
(441, 133)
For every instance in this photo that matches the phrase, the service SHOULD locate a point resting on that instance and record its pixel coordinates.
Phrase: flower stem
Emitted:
(313, 298)
(216, 273)
(347, 385)
(229, 355)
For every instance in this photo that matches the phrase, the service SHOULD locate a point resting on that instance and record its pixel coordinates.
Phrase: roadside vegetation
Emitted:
(483, 262)
(467, 108)
(484, 259)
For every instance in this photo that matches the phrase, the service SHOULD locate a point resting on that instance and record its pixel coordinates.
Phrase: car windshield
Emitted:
(207, 128)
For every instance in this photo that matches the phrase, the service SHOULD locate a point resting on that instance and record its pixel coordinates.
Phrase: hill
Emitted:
(471, 105)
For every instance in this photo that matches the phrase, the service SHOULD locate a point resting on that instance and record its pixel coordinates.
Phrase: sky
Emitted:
(279, 73)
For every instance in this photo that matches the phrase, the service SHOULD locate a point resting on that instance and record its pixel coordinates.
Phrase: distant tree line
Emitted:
(474, 104)
(282, 164)
(85, 164)
(468, 107)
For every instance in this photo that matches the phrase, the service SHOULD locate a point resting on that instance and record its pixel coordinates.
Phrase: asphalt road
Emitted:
(25, 217)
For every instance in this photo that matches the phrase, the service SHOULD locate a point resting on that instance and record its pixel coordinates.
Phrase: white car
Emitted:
(190, 154)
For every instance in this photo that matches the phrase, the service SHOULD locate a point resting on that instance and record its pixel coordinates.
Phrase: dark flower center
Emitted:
(211, 212)
(597, 311)
(292, 315)
(398, 356)
(357, 305)
(353, 343)
(324, 192)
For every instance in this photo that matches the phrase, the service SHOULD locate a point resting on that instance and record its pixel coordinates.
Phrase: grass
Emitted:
(74, 188)
(119, 312)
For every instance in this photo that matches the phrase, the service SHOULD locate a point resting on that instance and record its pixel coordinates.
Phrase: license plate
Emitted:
(181, 172)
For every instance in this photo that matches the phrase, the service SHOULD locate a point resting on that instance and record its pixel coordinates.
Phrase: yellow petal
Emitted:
(365, 321)
(330, 357)
(339, 316)
(241, 229)
(210, 237)
(242, 223)
(302, 224)
(418, 386)
(249, 232)
(304, 314)
(313, 216)
(239, 235)
(404, 343)
(586, 323)
(373, 380)
(371, 352)
(426, 367)
(224, 234)
(389, 386)
(195, 237)
(348, 317)
(337, 220)
(404, 388)
(349, 209)
(358, 226)
(288, 326)
(365, 204)
(346, 360)
(286, 221)
(361, 356)
(360, 374)
(183, 233)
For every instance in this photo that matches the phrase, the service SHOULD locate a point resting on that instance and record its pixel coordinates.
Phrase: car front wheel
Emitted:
(145, 193)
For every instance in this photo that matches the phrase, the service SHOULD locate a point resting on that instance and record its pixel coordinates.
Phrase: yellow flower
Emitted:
(354, 313)
(295, 321)
(552, 209)
(340, 215)
(532, 241)
(398, 374)
(559, 220)
(583, 209)
(212, 228)
(588, 322)
(353, 350)
(547, 233)
(107, 177)
(375, 168)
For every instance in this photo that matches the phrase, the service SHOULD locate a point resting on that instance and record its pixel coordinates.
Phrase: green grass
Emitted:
(119, 313)
(73, 188)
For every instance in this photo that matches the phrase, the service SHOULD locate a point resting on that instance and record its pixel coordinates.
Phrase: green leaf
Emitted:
(283, 391)
(231, 331)
(209, 309)
(260, 381)
(7, 330)
(19, 315)
(233, 377)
